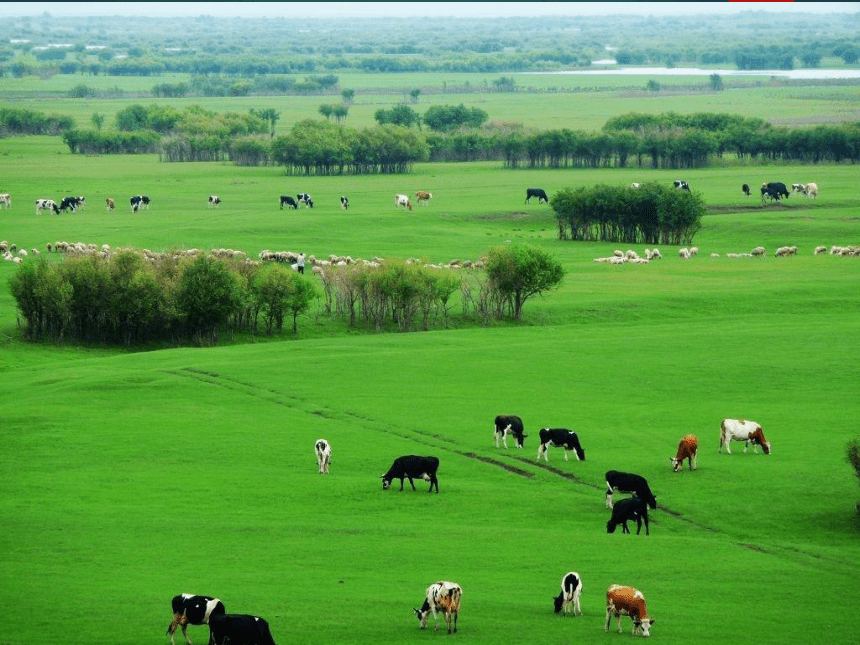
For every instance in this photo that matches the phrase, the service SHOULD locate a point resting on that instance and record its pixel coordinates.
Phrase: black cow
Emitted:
(139, 201)
(412, 466)
(745, 189)
(628, 483)
(289, 201)
(194, 610)
(344, 202)
(508, 424)
(682, 185)
(559, 437)
(536, 192)
(305, 199)
(775, 190)
(239, 629)
(71, 203)
(631, 508)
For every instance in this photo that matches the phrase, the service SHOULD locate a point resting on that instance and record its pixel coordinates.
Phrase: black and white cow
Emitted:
(344, 202)
(441, 596)
(745, 189)
(189, 609)
(214, 200)
(681, 185)
(322, 448)
(628, 483)
(536, 192)
(46, 205)
(774, 190)
(239, 629)
(289, 201)
(506, 424)
(139, 201)
(631, 508)
(305, 199)
(412, 467)
(71, 203)
(559, 437)
(571, 590)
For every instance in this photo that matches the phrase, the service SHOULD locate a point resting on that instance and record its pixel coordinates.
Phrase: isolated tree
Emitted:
(518, 272)
(339, 112)
(326, 111)
(652, 86)
(348, 96)
(98, 120)
(414, 94)
(716, 82)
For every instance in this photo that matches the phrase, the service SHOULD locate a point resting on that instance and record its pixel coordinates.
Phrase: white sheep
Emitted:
(819, 250)
(758, 251)
(684, 254)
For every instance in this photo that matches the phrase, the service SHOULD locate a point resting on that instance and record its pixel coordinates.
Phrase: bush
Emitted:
(208, 297)
(518, 272)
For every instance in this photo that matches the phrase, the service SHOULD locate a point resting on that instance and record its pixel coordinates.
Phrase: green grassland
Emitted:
(129, 476)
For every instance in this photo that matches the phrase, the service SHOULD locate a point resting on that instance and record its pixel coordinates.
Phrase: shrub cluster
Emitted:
(130, 298)
(21, 121)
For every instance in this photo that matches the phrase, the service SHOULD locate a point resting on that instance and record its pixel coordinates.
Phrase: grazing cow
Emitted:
(508, 424)
(402, 200)
(681, 185)
(412, 466)
(746, 189)
(5, 200)
(628, 483)
(71, 203)
(627, 601)
(441, 596)
(323, 450)
(139, 201)
(344, 202)
(110, 204)
(423, 197)
(571, 589)
(46, 205)
(289, 201)
(214, 200)
(194, 610)
(305, 199)
(631, 508)
(536, 192)
(749, 432)
(239, 629)
(688, 449)
(810, 190)
(775, 190)
(635, 185)
(559, 437)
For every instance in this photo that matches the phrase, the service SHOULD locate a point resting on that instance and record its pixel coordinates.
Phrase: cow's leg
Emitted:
(565, 454)
(456, 615)
(694, 461)
(624, 527)
(608, 496)
(608, 619)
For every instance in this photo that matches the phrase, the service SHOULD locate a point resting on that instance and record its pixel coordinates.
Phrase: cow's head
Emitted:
(579, 452)
(676, 463)
(386, 483)
(557, 602)
(421, 614)
(643, 627)
(610, 528)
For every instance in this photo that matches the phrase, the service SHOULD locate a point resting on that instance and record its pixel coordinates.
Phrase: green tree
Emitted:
(134, 117)
(272, 290)
(414, 94)
(445, 118)
(348, 96)
(270, 115)
(517, 272)
(326, 111)
(716, 82)
(652, 86)
(98, 120)
(339, 112)
(208, 297)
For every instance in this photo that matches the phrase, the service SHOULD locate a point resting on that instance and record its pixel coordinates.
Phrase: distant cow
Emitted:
(139, 201)
(810, 190)
(631, 508)
(344, 202)
(441, 596)
(688, 449)
(5, 200)
(504, 425)
(571, 589)
(775, 190)
(46, 205)
(412, 467)
(189, 609)
(536, 192)
(681, 185)
(71, 203)
(110, 204)
(323, 452)
(402, 200)
(423, 197)
(214, 200)
(749, 432)
(289, 201)
(635, 185)
(239, 629)
(628, 601)
(745, 189)
(305, 199)
(559, 437)
(628, 483)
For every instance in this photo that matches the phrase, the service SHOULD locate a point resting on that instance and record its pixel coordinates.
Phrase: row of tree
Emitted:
(15, 121)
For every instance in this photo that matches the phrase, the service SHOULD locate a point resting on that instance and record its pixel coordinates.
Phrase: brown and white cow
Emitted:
(628, 601)
(688, 449)
(110, 204)
(810, 190)
(422, 197)
(6, 200)
(441, 596)
(749, 432)
(402, 200)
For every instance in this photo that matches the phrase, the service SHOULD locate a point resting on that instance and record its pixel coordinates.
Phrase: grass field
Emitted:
(131, 476)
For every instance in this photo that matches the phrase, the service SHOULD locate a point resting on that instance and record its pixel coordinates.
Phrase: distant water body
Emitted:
(800, 74)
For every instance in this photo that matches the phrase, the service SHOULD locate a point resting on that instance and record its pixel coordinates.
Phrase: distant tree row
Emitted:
(15, 121)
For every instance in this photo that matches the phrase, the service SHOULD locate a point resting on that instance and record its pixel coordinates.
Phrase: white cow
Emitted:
(323, 451)
(47, 205)
(402, 200)
(749, 432)
(441, 596)
(6, 200)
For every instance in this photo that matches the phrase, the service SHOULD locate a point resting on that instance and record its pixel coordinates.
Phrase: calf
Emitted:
(627, 601)
(688, 449)
(631, 508)
(214, 200)
(239, 629)
(344, 202)
(305, 199)
(412, 466)
(194, 610)
(559, 437)
(423, 197)
(110, 204)
(323, 452)
(681, 185)
(5, 200)
(46, 205)
(628, 483)
(508, 424)
(571, 589)
(139, 201)
(536, 192)
(745, 189)
(289, 201)
(444, 596)
(402, 200)
(749, 432)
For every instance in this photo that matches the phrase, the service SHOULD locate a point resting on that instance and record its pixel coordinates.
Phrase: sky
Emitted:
(411, 9)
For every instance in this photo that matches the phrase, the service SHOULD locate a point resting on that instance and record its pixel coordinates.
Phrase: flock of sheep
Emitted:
(630, 256)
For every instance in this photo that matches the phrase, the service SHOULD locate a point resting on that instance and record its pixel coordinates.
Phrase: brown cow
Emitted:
(110, 204)
(422, 196)
(627, 601)
(688, 449)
